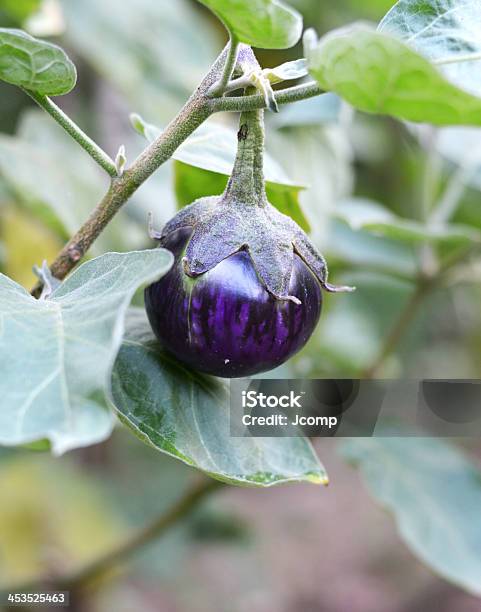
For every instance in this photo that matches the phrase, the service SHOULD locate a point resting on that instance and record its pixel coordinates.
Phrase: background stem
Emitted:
(399, 328)
(97, 569)
(92, 148)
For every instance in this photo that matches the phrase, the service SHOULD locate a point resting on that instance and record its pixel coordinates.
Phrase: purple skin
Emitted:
(224, 322)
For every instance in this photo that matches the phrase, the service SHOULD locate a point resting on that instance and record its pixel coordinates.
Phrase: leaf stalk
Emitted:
(91, 147)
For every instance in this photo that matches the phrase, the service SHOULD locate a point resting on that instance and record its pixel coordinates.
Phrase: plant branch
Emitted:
(126, 549)
(257, 101)
(194, 113)
(196, 110)
(92, 148)
(423, 287)
(219, 87)
(121, 188)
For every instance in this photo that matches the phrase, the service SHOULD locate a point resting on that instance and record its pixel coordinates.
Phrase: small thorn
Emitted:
(50, 283)
(288, 298)
(186, 268)
(337, 288)
(120, 160)
(153, 234)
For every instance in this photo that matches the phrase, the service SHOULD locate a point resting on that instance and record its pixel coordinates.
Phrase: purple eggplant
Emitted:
(225, 322)
(244, 293)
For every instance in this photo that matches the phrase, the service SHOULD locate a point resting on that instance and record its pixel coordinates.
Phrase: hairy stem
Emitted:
(246, 183)
(220, 87)
(121, 188)
(91, 147)
(77, 580)
(257, 101)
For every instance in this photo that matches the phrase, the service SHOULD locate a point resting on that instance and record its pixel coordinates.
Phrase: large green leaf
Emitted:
(268, 24)
(378, 73)
(185, 414)
(35, 64)
(213, 147)
(447, 32)
(207, 158)
(56, 355)
(364, 214)
(434, 493)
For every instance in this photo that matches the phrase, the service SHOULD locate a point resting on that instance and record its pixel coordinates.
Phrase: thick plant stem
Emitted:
(76, 581)
(91, 147)
(194, 113)
(123, 187)
(246, 183)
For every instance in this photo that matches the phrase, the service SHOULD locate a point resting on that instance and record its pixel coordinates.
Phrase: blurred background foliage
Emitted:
(370, 184)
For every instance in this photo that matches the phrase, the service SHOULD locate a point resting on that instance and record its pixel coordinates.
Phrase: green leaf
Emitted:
(363, 250)
(363, 214)
(210, 152)
(447, 32)
(35, 64)
(213, 147)
(380, 74)
(56, 355)
(434, 493)
(185, 415)
(411, 231)
(267, 24)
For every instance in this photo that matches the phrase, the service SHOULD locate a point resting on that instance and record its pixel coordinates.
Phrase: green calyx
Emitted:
(243, 219)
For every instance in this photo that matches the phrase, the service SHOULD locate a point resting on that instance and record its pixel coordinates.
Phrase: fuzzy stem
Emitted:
(121, 188)
(219, 88)
(91, 147)
(257, 101)
(246, 183)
